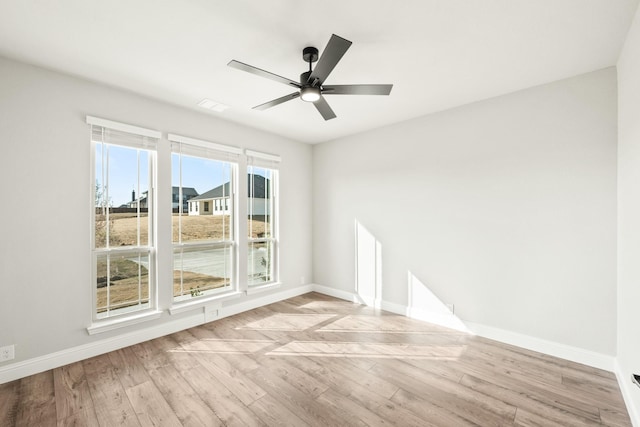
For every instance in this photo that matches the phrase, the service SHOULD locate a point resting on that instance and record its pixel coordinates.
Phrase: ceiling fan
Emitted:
(311, 87)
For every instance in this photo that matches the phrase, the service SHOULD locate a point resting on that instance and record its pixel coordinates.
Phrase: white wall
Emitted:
(629, 215)
(505, 208)
(45, 277)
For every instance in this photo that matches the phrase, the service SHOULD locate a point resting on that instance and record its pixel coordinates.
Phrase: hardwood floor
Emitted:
(315, 360)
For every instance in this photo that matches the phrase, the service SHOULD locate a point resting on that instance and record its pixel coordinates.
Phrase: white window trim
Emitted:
(124, 319)
(100, 326)
(275, 239)
(123, 127)
(181, 307)
(214, 151)
(204, 144)
(256, 289)
(264, 156)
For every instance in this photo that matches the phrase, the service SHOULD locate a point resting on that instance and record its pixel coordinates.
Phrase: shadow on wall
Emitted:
(424, 305)
(368, 269)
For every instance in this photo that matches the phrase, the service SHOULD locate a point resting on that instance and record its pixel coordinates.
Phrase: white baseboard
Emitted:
(64, 357)
(563, 351)
(35, 365)
(337, 293)
(627, 391)
(574, 354)
(395, 308)
(243, 306)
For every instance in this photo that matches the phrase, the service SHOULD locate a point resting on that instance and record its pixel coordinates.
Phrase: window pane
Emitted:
(143, 189)
(205, 185)
(198, 272)
(125, 225)
(259, 202)
(122, 282)
(260, 263)
(100, 199)
(121, 196)
(122, 227)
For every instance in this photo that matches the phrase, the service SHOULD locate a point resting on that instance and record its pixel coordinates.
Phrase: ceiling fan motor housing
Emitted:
(304, 78)
(310, 54)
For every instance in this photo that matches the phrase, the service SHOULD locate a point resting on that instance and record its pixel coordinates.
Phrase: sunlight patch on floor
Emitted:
(370, 350)
(288, 322)
(224, 346)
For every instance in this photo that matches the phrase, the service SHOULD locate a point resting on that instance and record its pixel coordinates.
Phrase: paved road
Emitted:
(212, 262)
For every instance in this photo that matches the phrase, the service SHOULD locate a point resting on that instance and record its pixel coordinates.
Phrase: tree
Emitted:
(101, 204)
(101, 201)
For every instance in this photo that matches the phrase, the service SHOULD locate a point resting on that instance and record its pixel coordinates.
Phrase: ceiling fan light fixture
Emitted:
(310, 93)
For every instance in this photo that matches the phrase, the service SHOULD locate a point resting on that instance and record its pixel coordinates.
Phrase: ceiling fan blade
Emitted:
(357, 90)
(323, 108)
(277, 101)
(262, 73)
(334, 51)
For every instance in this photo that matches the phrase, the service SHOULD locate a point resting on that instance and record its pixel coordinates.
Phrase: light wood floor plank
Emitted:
(109, 397)
(475, 407)
(304, 406)
(37, 405)
(314, 360)
(235, 380)
(74, 405)
(222, 402)
(272, 413)
(335, 401)
(436, 415)
(548, 407)
(184, 400)
(128, 368)
(150, 406)
(9, 399)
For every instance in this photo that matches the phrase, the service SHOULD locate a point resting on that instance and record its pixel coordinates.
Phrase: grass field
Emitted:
(125, 289)
(123, 229)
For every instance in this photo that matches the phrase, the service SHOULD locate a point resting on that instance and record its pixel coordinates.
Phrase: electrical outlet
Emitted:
(302, 281)
(7, 353)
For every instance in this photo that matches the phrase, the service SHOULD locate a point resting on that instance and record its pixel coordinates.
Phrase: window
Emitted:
(262, 210)
(123, 250)
(204, 246)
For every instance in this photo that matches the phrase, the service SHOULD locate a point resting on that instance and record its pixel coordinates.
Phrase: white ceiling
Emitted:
(438, 53)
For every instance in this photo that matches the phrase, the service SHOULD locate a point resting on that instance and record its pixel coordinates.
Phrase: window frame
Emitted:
(147, 140)
(230, 156)
(268, 162)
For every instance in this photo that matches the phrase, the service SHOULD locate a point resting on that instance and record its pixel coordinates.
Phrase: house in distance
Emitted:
(218, 200)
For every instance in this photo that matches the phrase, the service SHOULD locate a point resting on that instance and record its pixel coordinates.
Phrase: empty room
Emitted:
(416, 213)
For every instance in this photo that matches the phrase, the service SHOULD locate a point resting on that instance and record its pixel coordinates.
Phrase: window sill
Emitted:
(101, 326)
(181, 307)
(263, 288)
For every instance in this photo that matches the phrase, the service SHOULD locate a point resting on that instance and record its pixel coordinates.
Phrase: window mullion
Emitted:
(139, 199)
(105, 193)
(179, 214)
(108, 304)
